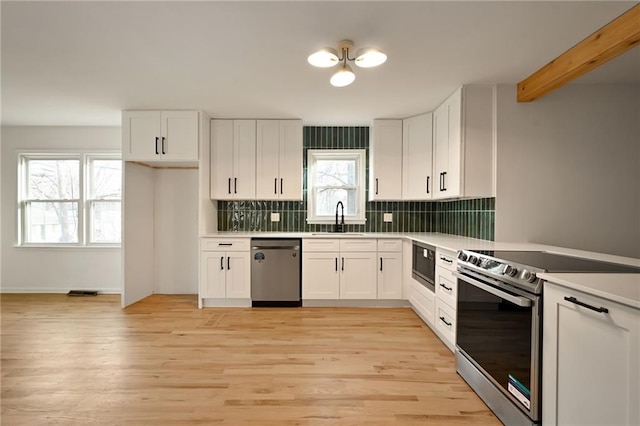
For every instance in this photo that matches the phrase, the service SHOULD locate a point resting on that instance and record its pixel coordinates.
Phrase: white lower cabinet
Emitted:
(446, 297)
(389, 269)
(423, 302)
(446, 323)
(351, 268)
(358, 275)
(226, 275)
(320, 275)
(225, 269)
(389, 275)
(591, 371)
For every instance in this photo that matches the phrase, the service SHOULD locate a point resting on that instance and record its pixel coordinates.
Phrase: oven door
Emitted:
(498, 331)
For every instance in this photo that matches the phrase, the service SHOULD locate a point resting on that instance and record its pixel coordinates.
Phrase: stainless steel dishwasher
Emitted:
(275, 272)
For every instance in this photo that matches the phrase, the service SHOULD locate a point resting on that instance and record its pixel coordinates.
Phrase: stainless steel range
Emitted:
(499, 325)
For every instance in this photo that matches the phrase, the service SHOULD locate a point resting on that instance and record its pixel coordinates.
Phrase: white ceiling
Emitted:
(81, 63)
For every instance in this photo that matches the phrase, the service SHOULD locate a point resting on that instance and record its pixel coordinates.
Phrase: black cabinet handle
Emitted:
(163, 153)
(381, 264)
(336, 264)
(281, 184)
(275, 185)
(445, 287)
(235, 185)
(157, 153)
(427, 184)
(228, 263)
(445, 321)
(440, 183)
(343, 263)
(225, 244)
(593, 308)
(229, 186)
(376, 186)
(222, 263)
(444, 259)
(444, 176)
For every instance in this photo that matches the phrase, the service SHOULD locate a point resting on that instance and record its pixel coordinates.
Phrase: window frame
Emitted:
(359, 155)
(84, 226)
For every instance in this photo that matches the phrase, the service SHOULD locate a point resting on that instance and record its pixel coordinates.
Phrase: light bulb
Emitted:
(368, 58)
(324, 58)
(343, 77)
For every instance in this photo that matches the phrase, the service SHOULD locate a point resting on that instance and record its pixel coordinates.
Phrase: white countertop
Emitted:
(621, 288)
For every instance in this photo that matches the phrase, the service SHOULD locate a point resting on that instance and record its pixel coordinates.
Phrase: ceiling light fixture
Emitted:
(328, 57)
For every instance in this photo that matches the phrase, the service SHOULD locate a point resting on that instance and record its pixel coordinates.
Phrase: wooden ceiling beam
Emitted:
(615, 38)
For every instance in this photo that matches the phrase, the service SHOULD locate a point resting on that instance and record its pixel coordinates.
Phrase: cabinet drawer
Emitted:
(348, 244)
(320, 245)
(446, 323)
(423, 302)
(389, 245)
(446, 259)
(446, 287)
(226, 244)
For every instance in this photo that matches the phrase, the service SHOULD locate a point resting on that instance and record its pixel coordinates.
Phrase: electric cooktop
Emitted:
(553, 262)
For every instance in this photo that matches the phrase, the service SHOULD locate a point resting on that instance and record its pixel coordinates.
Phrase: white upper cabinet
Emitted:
(233, 159)
(385, 160)
(279, 160)
(417, 149)
(463, 129)
(160, 136)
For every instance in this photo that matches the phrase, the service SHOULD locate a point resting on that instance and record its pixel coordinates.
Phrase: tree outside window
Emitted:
(63, 195)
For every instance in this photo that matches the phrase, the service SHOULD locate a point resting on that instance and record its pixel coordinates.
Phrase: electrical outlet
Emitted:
(275, 217)
(387, 217)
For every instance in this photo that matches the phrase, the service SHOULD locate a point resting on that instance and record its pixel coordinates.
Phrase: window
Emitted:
(333, 176)
(70, 199)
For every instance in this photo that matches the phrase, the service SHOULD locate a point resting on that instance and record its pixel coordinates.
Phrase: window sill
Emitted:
(333, 221)
(67, 246)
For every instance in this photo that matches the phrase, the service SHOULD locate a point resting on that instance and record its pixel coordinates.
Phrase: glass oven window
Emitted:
(496, 334)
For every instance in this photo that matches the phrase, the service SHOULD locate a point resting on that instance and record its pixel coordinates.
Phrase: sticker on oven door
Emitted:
(520, 391)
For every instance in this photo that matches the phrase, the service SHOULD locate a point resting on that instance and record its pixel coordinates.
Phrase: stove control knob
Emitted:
(462, 256)
(529, 276)
(473, 260)
(510, 270)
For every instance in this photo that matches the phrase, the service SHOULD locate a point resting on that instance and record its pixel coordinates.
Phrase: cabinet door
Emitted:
(423, 302)
(417, 158)
(244, 160)
(238, 275)
(213, 275)
(446, 287)
(441, 149)
(141, 136)
(446, 323)
(179, 136)
(221, 159)
(451, 181)
(268, 159)
(389, 275)
(290, 160)
(385, 154)
(591, 369)
(320, 276)
(358, 276)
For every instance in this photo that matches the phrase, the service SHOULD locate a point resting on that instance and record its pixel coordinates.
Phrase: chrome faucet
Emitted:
(339, 226)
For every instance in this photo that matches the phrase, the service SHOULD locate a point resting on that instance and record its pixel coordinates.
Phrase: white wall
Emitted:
(568, 168)
(52, 270)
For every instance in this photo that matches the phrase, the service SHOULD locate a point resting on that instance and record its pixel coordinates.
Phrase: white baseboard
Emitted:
(46, 290)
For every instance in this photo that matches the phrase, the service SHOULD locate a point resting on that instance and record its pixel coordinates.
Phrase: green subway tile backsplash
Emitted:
(473, 218)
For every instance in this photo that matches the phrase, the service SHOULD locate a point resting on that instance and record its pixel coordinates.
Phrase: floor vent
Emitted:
(80, 293)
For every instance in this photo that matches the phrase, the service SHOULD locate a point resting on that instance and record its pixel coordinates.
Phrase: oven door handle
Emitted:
(520, 301)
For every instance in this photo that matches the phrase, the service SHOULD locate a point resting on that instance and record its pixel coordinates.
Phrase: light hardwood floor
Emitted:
(84, 360)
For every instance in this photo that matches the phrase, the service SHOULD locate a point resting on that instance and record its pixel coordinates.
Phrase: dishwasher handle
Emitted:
(275, 248)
